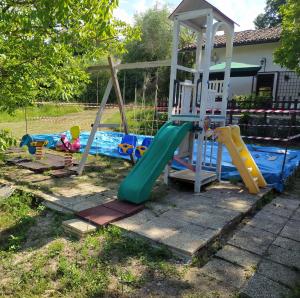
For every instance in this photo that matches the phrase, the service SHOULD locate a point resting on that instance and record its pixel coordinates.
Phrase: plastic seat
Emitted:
(127, 145)
(141, 150)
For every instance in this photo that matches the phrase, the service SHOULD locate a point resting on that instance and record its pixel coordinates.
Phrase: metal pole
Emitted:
(26, 120)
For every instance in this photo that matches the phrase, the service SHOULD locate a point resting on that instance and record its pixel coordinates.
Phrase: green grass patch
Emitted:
(47, 110)
(17, 215)
(140, 121)
(37, 259)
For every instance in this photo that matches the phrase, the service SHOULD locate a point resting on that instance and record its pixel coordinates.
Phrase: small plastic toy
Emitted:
(70, 146)
(35, 146)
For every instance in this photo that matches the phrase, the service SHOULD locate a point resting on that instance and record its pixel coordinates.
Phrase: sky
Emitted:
(242, 12)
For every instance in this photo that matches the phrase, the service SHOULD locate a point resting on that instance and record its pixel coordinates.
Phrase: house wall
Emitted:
(251, 54)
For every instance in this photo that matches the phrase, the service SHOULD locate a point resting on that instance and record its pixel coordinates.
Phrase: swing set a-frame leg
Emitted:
(119, 99)
(113, 81)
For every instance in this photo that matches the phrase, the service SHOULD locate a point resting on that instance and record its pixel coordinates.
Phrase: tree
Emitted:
(156, 36)
(45, 46)
(288, 54)
(271, 17)
(155, 44)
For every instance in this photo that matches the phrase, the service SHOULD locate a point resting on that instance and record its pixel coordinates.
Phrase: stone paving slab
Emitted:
(286, 203)
(279, 208)
(171, 220)
(292, 230)
(296, 215)
(253, 240)
(260, 286)
(224, 271)
(158, 228)
(238, 256)
(78, 227)
(279, 273)
(134, 222)
(286, 243)
(268, 222)
(204, 219)
(189, 238)
(283, 256)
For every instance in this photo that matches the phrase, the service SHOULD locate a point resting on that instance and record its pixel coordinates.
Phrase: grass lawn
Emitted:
(40, 111)
(55, 124)
(56, 119)
(38, 259)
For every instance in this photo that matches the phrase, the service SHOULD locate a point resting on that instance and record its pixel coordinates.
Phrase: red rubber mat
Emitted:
(109, 212)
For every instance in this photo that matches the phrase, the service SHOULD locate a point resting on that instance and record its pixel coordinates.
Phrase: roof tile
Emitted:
(247, 37)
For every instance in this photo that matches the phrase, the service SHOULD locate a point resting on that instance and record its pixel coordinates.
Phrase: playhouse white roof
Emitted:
(199, 22)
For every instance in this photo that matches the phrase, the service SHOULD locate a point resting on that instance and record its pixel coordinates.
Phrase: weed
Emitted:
(55, 248)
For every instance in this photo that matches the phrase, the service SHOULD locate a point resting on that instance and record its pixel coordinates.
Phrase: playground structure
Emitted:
(196, 109)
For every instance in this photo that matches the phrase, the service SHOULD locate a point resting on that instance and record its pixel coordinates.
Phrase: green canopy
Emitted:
(237, 70)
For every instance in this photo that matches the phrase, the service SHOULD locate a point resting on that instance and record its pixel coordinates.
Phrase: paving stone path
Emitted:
(262, 259)
(187, 222)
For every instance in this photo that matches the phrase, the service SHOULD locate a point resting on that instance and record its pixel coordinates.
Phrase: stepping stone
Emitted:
(35, 166)
(124, 207)
(62, 173)
(100, 215)
(283, 256)
(78, 227)
(291, 230)
(279, 273)
(6, 191)
(252, 239)
(260, 286)
(238, 256)
(109, 212)
(17, 160)
(226, 272)
(14, 150)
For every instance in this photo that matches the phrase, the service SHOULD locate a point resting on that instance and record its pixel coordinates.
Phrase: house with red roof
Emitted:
(256, 47)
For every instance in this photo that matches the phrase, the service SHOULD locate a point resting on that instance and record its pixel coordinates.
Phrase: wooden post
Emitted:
(119, 98)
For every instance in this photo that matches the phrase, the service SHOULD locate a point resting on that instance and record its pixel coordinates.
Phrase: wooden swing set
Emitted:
(114, 83)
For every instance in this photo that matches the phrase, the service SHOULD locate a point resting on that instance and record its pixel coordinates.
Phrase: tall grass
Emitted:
(48, 110)
(140, 121)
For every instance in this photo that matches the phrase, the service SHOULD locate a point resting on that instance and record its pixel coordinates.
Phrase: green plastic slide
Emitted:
(136, 187)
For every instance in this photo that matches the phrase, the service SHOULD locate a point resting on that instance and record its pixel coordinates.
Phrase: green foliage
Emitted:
(45, 46)
(6, 140)
(250, 101)
(156, 36)
(288, 54)
(272, 16)
(16, 216)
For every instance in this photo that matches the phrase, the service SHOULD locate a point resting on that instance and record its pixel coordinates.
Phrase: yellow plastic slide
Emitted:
(230, 136)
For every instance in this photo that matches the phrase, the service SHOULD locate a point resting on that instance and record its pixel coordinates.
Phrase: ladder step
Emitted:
(255, 179)
(250, 169)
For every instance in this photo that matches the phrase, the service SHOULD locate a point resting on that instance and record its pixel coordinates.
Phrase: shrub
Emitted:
(6, 140)
(252, 101)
